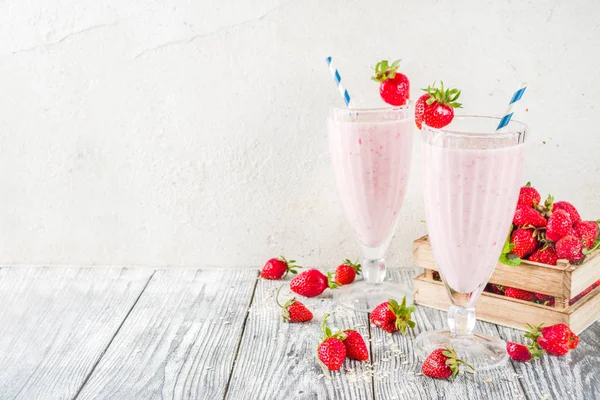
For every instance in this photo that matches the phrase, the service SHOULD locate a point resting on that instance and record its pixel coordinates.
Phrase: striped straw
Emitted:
(338, 82)
(509, 111)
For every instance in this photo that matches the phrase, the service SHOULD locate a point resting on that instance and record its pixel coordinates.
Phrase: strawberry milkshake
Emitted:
(371, 151)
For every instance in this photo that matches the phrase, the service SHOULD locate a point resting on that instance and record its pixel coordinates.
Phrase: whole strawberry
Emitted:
(519, 294)
(311, 283)
(356, 347)
(522, 353)
(277, 268)
(436, 106)
(394, 87)
(569, 209)
(331, 352)
(587, 231)
(544, 255)
(529, 196)
(391, 316)
(346, 272)
(559, 225)
(443, 364)
(570, 248)
(527, 216)
(293, 311)
(496, 289)
(556, 340)
(525, 242)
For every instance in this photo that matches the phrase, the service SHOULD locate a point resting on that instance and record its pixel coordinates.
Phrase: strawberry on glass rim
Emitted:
(394, 87)
(436, 107)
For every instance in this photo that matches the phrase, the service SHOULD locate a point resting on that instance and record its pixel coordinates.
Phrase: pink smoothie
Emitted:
(470, 198)
(371, 161)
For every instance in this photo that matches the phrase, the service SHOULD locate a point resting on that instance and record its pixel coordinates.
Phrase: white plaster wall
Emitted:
(192, 132)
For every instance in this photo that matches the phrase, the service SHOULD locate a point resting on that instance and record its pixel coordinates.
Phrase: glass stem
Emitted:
(373, 270)
(461, 321)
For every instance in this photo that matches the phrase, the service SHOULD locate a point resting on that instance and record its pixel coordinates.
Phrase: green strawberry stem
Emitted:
(277, 296)
(385, 71)
(290, 267)
(355, 265)
(331, 283)
(443, 96)
(403, 314)
(453, 361)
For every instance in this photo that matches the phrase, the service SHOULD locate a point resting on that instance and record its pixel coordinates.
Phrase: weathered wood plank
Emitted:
(55, 323)
(398, 371)
(179, 341)
(573, 377)
(278, 360)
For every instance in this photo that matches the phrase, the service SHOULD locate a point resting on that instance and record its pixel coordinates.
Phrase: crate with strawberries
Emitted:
(549, 270)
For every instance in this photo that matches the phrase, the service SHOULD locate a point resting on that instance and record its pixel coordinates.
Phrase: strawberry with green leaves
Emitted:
(391, 316)
(346, 273)
(556, 340)
(436, 107)
(331, 351)
(293, 310)
(312, 283)
(443, 364)
(522, 353)
(394, 87)
(277, 268)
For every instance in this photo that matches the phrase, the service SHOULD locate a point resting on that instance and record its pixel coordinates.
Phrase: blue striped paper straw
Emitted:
(338, 82)
(509, 111)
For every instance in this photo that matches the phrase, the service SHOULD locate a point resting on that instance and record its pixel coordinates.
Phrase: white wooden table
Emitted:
(132, 333)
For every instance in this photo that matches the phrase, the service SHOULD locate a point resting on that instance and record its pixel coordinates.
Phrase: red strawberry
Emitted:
(559, 225)
(346, 272)
(569, 248)
(436, 107)
(556, 340)
(524, 241)
(528, 196)
(276, 268)
(527, 216)
(392, 317)
(356, 347)
(394, 87)
(293, 311)
(519, 294)
(522, 353)
(569, 209)
(544, 255)
(442, 364)
(587, 231)
(496, 289)
(311, 283)
(545, 299)
(331, 351)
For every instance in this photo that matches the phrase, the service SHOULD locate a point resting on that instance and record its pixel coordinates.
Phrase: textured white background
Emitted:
(192, 132)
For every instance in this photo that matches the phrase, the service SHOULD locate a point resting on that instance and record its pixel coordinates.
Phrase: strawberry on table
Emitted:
(394, 87)
(569, 209)
(570, 248)
(331, 352)
(544, 255)
(391, 316)
(346, 272)
(293, 310)
(522, 353)
(312, 283)
(525, 242)
(556, 340)
(529, 196)
(443, 364)
(559, 225)
(519, 294)
(436, 107)
(277, 268)
(356, 348)
(527, 216)
(587, 231)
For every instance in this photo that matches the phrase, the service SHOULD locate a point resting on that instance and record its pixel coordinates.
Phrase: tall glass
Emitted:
(371, 151)
(471, 180)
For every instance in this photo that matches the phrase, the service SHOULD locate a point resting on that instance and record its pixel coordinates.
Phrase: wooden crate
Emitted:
(563, 281)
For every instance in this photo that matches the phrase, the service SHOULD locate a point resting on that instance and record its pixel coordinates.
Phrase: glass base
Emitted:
(364, 297)
(482, 352)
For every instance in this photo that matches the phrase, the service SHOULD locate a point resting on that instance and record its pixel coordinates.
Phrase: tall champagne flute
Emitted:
(471, 180)
(371, 151)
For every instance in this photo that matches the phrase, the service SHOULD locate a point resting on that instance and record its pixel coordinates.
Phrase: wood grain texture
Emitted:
(180, 340)
(574, 376)
(55, 323)
(398, 371)
(277, 360)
